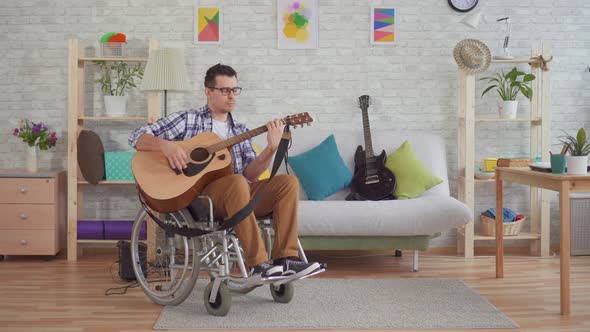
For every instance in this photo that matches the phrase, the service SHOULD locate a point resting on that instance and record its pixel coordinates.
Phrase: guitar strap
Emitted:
(238, 216)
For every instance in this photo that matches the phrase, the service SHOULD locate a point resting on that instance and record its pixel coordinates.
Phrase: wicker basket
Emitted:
(488, 226)
(112, 50)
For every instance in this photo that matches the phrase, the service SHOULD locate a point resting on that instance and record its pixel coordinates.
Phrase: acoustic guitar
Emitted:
(168, 190)
(371, 179)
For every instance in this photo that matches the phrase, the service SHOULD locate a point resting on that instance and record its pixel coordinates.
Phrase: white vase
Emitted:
(509, 108)
(32, 159)
(115, 105)
(577, 165)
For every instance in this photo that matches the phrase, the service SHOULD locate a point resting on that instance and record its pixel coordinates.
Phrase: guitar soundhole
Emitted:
(200, 155)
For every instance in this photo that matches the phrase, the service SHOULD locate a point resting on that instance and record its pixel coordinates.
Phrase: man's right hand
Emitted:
(177, 157)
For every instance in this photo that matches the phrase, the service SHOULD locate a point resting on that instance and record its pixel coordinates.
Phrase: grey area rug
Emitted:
(346, 304)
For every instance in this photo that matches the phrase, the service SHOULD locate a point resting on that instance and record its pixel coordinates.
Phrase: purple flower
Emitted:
(33, 133)
(37, 128)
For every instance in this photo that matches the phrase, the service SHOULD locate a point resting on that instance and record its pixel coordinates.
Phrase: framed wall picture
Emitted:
(208, 24)
(297, 24)
(383, 27)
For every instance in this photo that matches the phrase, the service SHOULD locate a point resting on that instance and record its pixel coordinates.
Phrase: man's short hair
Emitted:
(218, 70)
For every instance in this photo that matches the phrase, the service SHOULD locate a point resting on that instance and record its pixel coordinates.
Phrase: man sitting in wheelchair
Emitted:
(230, 193)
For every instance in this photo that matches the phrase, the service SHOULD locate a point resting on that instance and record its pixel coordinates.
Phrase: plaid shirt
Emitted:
(183, 125)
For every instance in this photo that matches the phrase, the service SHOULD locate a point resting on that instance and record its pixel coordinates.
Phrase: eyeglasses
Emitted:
(226, 91)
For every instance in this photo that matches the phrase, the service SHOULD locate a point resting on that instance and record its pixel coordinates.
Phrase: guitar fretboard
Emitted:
(367, 132)
(236, 139)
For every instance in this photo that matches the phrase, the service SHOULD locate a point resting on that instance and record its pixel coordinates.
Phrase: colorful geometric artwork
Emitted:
(208, 25)
(297, 24)
(383, 25)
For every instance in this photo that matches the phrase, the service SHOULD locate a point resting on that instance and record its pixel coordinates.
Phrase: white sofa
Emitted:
(335, 223)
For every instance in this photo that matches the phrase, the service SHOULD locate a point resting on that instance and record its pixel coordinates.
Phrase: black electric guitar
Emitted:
(371, 180)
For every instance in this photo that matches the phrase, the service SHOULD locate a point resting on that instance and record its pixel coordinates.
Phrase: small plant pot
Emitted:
(509, 108)
(115, 105)
(577, 165)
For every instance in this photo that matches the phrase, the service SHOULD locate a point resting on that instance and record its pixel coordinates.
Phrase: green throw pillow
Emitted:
(411, 176)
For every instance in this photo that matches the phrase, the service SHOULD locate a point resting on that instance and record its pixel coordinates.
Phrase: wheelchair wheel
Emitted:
(222, 302)
(172, 276)
(282, 293)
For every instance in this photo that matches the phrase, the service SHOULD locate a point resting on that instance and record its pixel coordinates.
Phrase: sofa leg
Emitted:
(415, 266)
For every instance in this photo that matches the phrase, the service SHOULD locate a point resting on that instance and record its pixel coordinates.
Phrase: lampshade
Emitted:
(472, 20)
(165, 70)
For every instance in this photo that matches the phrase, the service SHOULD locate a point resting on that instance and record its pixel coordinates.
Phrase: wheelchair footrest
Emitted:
(258, 281)
(290, 278)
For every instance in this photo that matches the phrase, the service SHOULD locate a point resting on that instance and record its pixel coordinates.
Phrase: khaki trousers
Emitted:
(281, 197)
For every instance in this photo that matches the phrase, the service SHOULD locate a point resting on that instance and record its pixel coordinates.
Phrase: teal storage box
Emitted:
(118, 165)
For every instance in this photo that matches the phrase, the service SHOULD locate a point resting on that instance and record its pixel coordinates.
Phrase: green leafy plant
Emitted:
(118, 77)
(579, 145)
(508, 85)
(35, 134)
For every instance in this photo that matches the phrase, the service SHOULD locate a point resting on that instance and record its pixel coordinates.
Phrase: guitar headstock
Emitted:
(298, 119)
(364, 101)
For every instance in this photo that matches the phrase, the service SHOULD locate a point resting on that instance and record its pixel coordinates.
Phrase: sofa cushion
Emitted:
(425, 215)
(412, 177)
(321, 170)
(429, 148)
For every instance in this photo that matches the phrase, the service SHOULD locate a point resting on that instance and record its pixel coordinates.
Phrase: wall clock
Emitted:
(463, 6)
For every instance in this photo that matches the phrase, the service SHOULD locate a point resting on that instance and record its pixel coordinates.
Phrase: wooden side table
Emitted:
(562, 183)
(32, 206)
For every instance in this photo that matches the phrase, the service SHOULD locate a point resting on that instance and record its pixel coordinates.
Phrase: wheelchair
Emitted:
(180, 261)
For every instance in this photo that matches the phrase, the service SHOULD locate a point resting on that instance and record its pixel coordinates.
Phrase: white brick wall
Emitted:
(413, 84)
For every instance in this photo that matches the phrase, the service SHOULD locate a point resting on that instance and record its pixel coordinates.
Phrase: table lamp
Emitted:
(165, 71)
(506, 55)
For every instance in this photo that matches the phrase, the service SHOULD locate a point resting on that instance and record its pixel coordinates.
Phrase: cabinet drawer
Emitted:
(24, 190)
(27, 216)
(26, 242)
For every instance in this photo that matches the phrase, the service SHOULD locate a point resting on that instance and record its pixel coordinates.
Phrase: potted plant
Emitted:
(579, 148)
(508, 85)
(36, 136)
(117, 78)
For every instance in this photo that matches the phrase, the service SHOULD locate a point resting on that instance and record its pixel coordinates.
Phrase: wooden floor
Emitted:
(55, 295)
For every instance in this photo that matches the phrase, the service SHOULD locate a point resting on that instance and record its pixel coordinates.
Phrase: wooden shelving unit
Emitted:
(540, 127)
(76, 121)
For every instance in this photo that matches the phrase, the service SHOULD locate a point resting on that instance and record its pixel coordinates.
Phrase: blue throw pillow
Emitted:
(321, 170)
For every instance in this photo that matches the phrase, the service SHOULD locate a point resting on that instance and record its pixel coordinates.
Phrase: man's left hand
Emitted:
(275, 132)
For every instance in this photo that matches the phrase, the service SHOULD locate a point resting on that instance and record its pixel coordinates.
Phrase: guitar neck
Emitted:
(236, 139)
(367, 132)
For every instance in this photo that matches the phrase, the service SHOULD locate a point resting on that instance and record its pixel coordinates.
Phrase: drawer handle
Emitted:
(24, 190)
(24, 242)
(23, 216)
